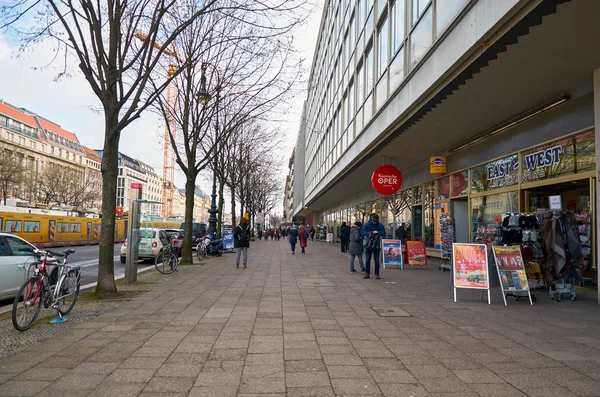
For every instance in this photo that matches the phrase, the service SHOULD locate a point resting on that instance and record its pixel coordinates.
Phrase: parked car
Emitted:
(198, 231)
(150, 243)
(176, 238)
(16, 256)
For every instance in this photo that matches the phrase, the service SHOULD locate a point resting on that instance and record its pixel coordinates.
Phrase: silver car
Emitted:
(16, 257)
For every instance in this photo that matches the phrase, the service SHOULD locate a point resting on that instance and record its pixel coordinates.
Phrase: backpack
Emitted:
(243, 234)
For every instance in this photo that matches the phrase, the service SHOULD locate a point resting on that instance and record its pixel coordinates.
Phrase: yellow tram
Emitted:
(53, 230)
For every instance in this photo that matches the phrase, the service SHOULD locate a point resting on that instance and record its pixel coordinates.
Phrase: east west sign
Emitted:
(535, 165)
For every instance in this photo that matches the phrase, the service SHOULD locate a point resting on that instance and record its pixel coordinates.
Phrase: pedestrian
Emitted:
(345, 236)
(293, 238)
(241, 242)
(401, 234)
(303, 237)
(355, 247)
(373, 231)
(312, 233)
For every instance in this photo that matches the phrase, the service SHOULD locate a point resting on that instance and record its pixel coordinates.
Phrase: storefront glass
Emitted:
(418, 194)
(572, 155)
(495, 174)
(429, 214)
(487, 213)
(460, 183)
(443, 187)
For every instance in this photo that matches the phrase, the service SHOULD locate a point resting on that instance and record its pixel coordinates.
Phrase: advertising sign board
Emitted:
(392, 253)
(511, 271)
(470, 267)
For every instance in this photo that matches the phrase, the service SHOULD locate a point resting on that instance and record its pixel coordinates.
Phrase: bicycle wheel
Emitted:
(201, 251)
(68, 293)
(172, 262)
(164, 262)
(28, 303)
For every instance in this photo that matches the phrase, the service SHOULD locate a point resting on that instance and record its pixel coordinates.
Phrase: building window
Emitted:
(397, 71)
(369, 60)
(421, 38)
(418, 9)
(382, 48)
(445, 12)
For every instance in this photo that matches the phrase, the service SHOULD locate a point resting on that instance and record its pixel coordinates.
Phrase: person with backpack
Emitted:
(241, 242)
(374, 231)
(355, 247)
(293, 238)
(303, 237)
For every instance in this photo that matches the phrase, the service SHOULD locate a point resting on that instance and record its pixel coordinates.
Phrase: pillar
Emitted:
(597, 129)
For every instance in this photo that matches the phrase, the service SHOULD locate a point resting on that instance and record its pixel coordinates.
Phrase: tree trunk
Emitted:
(233, 224)
(220, 208)
(110, 167)
(187, 255)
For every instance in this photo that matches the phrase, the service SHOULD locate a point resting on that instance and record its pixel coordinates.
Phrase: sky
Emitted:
(29, 80)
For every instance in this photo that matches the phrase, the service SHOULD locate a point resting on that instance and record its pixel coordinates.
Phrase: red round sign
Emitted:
(386, 179)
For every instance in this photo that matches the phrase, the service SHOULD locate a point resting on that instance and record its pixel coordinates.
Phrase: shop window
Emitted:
(567, 156)
(418, 194)
(495, 174)
(429, 214)
(443, 187)
(460, 184)
(487, 213)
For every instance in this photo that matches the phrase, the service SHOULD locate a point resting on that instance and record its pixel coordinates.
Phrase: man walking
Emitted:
(345, 236)
(293, 237)
(374, 232)
(241, 242)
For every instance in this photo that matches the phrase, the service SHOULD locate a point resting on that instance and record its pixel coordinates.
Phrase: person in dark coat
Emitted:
(293, 238)
(374, 231)
(241, 242)
(312, 233)
(355, 247)
(401, 234)
(345, 236)
(303, 237)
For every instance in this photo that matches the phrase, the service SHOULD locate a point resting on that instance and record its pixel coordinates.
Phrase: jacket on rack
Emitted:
(561, 241)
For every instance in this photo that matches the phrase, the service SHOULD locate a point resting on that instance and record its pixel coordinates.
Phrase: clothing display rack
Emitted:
(448, 237)
(564, 254)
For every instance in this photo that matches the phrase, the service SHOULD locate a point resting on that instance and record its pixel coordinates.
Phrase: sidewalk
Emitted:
(302, 325)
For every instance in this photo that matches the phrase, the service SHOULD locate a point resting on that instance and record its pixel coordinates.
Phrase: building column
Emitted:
(597, 131)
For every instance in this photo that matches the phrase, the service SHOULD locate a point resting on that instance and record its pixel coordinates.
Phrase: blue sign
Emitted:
(438, 161)
(228, 241)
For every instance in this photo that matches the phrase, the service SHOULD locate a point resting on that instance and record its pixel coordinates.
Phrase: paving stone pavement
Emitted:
(302, 325)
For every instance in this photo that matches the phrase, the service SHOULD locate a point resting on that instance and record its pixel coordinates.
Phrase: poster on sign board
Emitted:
(511, 271)
(470, 267)
(555, 203)
(329, 238)
(228, 241)
(392, 253)
(416, 253)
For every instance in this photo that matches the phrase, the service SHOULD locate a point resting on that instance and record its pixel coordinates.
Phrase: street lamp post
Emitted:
(205, 97)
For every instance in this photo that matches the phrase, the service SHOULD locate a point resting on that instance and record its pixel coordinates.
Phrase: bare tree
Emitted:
(60, 185)
(102, 36)
(11, 172)
(244, 64)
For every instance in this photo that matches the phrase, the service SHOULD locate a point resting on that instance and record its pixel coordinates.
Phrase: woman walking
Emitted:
(293, 238)
(303, 236)
(241, 242)
(355, 247)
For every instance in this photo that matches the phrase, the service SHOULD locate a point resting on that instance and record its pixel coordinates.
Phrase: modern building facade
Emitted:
(507, 91)
(288, 192)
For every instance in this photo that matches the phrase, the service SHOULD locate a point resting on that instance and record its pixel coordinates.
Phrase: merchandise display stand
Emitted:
(448, 237)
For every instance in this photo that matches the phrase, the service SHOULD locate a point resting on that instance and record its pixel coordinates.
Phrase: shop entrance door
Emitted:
(577, 197)
(460, 213)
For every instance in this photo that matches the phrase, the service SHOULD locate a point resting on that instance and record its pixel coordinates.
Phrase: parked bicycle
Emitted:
(201, 249)
(38, 289)
(167, 261)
